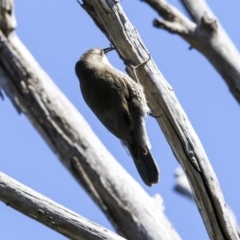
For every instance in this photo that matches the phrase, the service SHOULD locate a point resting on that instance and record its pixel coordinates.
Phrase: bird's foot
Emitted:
(134, 68)
(143, 63)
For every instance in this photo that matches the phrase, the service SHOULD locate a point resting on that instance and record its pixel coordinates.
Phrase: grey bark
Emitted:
(110, 18)
(182, 187)
(51, 214)
(205, 34)
(133, 213)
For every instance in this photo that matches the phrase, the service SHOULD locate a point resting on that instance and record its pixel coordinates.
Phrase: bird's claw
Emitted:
(144, 62)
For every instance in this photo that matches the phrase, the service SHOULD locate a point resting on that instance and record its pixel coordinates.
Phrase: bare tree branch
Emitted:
(204, 34)
(130, 209)
(51, 214)
(182, 187)
(110, 18)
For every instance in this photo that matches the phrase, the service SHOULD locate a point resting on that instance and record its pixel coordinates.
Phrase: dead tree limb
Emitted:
(133, 213)
(51, 214)
(182, 187)
(110, 18)
(203, 33)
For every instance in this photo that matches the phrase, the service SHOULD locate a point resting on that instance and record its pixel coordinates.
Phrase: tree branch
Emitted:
(51, 214)
(130, 209)
(204, 34)
(182, 187)
(110, 18)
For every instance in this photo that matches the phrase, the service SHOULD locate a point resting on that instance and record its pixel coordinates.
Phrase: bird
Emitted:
(120, 104)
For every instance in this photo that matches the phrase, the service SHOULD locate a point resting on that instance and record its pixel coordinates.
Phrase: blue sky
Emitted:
(57, 33)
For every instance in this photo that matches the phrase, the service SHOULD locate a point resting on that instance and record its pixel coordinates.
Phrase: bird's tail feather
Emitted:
(145, 164)
(147, 168)
(140, 148)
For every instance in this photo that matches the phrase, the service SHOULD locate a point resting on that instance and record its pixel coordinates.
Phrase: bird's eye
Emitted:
(102, 52)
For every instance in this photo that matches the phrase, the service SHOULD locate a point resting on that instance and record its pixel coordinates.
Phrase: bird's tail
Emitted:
(140, 147)
(146, 166)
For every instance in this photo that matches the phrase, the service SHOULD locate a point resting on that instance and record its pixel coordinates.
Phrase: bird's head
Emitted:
(97, 55)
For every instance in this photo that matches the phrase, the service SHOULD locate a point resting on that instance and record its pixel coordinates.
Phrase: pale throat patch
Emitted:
(105, 60)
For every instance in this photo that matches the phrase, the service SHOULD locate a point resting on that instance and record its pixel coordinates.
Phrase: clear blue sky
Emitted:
(57, 33)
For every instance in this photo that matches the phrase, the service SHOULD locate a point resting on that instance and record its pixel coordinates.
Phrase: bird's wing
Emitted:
(114, 113)
(134, 98)
(120, 82)
(129, 89)
(134, 135)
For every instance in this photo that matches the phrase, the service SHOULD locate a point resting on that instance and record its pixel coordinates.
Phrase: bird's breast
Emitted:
(98, 92)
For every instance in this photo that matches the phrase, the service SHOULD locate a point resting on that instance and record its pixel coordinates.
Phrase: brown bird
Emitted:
(120, 104)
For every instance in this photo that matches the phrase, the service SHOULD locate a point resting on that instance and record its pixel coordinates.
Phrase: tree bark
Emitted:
(110, 18)
(205, 34)
(182, 187)
(133, 213)
(51, 214)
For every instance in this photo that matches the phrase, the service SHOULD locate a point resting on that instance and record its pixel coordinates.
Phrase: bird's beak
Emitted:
(106, 50)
